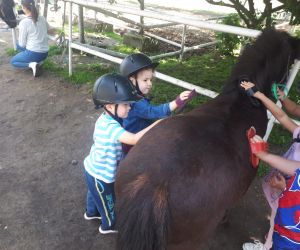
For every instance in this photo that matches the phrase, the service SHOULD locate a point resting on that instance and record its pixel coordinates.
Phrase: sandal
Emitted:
(255, 147)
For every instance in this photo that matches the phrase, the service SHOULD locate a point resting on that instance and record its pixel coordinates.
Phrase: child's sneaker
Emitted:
(91, 217)
(107, 231)
(257, 245)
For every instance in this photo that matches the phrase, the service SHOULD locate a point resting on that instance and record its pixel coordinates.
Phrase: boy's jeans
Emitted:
(22, 59)
(101, 199)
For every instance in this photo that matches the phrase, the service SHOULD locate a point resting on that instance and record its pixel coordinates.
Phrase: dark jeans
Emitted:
(101, 199)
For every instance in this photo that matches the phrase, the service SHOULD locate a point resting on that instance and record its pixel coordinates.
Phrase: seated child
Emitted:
(115, 93)
(139, 69)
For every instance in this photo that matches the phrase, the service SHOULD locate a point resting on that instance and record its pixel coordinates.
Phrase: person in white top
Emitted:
(33, 39)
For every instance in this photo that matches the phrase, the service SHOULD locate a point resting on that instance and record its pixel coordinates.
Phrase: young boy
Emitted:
(139, 69)
(115, 93)
(283, 207)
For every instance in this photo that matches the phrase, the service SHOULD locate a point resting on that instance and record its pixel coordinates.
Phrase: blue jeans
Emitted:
(22, 59)
(101, 199)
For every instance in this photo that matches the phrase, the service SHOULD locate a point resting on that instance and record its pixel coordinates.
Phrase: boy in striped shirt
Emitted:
(115, 93)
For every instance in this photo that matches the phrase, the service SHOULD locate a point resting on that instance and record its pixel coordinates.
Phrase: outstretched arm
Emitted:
(291, 107)
(278, 113)
(132, 139)
(182, 97)
(286, 166)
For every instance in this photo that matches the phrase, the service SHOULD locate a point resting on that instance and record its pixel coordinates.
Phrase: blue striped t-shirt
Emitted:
(106, 151)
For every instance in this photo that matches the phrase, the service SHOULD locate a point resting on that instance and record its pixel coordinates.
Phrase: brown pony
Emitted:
(177, 182)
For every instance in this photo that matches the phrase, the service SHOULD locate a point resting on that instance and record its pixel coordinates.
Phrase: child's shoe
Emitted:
(257, 245)
(36, 69)
(107, 231)
(91, 217)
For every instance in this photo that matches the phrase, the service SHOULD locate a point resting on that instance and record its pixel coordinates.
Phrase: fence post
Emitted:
(70, 39)
(182, 42)
(142, 7)
(45, 9)
(13, 32)
(81, 24)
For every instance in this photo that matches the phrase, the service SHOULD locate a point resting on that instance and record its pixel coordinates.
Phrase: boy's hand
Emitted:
(250, 88)
(281, 95)
(184, 98)
(184, 95)
(247, 85)
(278, 181)
(257, 141)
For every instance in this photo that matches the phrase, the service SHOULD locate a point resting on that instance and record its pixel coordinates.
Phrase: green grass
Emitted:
(124, 49)
(113, 35)
(11, 52)
(54, 50)
(209, 71)
(82, 73)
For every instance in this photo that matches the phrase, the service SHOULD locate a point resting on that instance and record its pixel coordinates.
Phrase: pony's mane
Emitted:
(264, 62)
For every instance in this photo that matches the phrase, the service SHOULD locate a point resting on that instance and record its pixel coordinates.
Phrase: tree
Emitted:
(257, 19)
(292, 6)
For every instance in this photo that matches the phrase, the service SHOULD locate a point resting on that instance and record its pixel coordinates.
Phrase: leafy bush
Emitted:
(229, 42)
(293, 6)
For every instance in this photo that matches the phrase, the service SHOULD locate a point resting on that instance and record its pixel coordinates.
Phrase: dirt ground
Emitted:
(46, 128)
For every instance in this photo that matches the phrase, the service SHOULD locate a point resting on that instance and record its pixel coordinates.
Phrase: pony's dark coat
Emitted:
(176, 183)
(7, 13)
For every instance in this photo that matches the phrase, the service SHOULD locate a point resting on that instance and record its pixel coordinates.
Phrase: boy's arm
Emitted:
(286, 166)
(183, 96)
(278, 113)
(132, 139)
(291, 107)
(146, 110)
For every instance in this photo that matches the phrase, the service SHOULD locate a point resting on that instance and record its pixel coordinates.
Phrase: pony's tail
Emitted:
(143, 219)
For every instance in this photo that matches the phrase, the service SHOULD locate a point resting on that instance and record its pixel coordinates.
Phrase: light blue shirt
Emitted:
(106, 152)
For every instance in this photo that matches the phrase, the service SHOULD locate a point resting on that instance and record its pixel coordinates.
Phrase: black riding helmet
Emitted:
(135, 62)
(114, 89)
